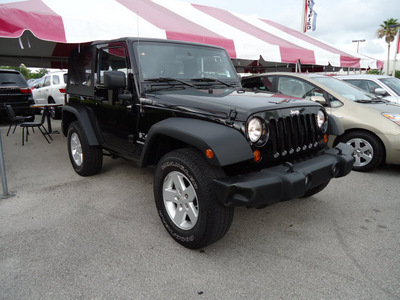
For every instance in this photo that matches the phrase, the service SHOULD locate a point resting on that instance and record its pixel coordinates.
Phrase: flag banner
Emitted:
(398, 41)
(311, 16)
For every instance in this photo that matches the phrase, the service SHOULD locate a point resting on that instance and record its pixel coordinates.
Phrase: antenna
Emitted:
(137, 23)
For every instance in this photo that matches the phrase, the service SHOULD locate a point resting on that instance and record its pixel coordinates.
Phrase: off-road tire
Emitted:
(194, 178)
(368, 152)
(85, 159)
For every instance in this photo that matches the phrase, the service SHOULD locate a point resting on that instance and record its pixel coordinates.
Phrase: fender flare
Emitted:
(84, 116)
(334, 126)
(228, 144)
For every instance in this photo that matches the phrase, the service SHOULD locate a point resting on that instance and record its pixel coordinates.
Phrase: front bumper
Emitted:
(286, 181)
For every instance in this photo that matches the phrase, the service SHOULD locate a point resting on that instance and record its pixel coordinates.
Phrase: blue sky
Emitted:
(338, 22)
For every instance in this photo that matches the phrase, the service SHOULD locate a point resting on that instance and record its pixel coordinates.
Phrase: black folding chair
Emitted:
(26, 125)
(14, 119)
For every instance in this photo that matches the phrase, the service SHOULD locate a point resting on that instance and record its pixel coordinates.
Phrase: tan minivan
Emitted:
(372, 125)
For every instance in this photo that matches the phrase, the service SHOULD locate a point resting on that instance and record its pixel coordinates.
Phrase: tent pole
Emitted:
(303, 19)
(6, 193)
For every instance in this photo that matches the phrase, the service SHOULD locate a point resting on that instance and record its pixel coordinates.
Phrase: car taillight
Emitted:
(62, 90)
(25, 91)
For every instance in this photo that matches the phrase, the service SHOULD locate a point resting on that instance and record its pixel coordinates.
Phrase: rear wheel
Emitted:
(186, 201)
(85, 159)
(368, 150)
(55, 112)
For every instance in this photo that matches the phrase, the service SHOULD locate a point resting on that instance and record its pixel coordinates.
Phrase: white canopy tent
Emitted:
(41, 33)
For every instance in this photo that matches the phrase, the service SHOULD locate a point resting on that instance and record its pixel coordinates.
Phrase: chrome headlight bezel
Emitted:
(257, 131)
(322, 120)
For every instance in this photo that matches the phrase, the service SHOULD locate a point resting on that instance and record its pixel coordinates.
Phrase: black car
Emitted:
(15, 91)
(180, 107)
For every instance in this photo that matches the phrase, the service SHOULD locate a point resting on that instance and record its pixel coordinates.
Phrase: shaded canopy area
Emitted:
(41, 33)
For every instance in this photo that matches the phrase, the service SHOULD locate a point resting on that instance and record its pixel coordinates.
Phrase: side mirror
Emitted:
(125, 99)
(114, 80)
(380, 92)
(318, 99)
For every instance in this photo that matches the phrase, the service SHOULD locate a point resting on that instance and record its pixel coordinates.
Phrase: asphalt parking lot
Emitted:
(63, 236)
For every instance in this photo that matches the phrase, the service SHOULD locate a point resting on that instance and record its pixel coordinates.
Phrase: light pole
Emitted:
(358, 43)
(396, 50)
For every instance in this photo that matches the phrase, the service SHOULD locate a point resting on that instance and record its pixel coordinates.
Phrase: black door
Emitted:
(114, 113)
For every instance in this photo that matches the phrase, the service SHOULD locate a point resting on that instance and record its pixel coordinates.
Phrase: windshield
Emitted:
(346, 90)
(393, 83)
(184, 62)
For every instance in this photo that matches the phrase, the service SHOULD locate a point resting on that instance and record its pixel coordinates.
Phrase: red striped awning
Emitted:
(41, 33)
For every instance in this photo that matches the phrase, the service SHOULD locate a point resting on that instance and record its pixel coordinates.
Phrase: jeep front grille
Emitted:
(293, 134)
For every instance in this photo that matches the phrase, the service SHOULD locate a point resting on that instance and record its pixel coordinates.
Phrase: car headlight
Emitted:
(254, 129)
(321, 118)
(257, 131)
(392, 117)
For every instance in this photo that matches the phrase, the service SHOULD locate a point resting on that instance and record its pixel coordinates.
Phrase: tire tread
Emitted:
(92, 155)
(219, 217)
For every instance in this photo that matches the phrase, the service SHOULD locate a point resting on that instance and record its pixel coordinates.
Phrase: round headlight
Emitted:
(321, 118)
(254, 129)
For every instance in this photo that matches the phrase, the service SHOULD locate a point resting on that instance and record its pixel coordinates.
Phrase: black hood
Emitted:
(220, 102)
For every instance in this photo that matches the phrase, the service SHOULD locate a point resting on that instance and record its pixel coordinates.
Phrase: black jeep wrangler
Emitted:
(180, 106)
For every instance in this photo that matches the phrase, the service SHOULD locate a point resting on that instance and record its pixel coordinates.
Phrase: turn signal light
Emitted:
(209, 153)
(257, 155)
(325, 138)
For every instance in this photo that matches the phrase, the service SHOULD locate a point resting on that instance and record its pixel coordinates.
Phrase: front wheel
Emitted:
(85, 159)
(368, 151)
(186, 200)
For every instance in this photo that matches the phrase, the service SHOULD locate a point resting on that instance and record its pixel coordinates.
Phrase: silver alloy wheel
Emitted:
(76, 149)
(363, 151)
(180, 200)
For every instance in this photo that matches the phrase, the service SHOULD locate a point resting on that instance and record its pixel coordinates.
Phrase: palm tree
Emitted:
(388, 30)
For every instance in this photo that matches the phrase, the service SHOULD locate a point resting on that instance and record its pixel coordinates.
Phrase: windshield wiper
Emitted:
(169, 80)
(208, 79)
(371, 101)
(363, 101)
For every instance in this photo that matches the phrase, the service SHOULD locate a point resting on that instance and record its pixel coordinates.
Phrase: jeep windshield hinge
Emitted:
(231, 117)
(144, 101)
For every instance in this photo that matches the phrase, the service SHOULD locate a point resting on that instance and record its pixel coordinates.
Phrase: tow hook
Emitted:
(290, 167)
